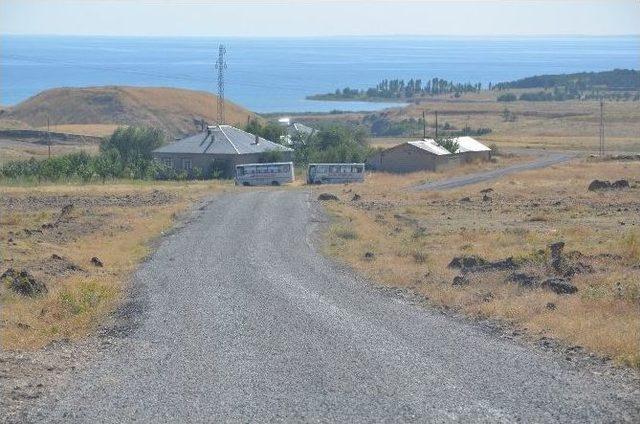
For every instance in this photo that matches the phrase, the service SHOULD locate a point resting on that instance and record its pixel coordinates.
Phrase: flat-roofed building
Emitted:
(412, 156)
(427, 155)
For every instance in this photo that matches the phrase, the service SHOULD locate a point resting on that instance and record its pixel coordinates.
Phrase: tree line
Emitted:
(401, 89)
(618, 84)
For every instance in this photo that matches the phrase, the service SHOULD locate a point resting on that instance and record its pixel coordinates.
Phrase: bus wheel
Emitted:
(275, 183)
(246, 184)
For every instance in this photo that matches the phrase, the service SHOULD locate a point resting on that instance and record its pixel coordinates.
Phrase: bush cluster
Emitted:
(125, 154)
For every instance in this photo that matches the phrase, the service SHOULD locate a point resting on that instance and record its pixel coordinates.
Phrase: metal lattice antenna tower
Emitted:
(221, 65)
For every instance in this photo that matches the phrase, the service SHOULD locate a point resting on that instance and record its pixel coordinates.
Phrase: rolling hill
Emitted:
(98, 110)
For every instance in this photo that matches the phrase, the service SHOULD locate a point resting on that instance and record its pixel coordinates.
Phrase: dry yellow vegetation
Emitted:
(571, 125)
(115, 223)
(95, 110)
(413, 236)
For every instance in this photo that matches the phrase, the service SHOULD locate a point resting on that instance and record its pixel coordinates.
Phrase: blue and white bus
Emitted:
(251, 174)
(335, 173)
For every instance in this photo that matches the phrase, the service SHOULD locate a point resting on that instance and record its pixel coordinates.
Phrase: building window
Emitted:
(187, 165)
(168, 162)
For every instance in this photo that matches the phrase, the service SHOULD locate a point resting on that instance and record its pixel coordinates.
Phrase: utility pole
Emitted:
(601, 127)
(424, 125)
(436, 125)
(221, 65)
(48, 137)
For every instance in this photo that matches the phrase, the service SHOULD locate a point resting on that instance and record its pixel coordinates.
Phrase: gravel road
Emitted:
(239, 319)
(542, 160)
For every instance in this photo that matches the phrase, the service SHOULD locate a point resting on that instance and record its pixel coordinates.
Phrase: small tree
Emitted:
(449, 144)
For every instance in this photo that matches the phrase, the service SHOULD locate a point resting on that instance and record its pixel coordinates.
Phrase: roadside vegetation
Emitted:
(68, 251)
(537, 251)
(126, 154)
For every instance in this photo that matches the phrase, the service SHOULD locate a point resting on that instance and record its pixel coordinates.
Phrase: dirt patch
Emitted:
(134, 200)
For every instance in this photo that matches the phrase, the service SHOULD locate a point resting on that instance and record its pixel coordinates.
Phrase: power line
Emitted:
(601, 127)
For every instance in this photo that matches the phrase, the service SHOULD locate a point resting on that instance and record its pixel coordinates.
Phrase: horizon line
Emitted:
(318, 36)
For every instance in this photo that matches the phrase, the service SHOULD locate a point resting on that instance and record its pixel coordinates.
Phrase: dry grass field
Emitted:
(403, 238)
(570, 125)
(22, 150)
(55, 244)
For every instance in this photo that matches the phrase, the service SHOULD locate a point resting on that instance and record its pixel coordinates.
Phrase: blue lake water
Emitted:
(273, 75)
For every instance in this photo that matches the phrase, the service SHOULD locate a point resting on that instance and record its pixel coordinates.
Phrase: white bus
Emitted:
(336, 173)
(264, 173)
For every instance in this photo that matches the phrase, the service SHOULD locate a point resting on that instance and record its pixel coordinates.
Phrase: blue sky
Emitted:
(274, 18)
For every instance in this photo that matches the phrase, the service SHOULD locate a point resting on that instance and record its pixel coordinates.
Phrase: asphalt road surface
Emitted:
(241, 320)
(542, 160)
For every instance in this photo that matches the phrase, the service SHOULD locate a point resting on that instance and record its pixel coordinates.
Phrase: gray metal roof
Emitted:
(222, 140)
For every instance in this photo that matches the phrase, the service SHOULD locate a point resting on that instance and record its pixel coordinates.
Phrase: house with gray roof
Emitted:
(220, 147)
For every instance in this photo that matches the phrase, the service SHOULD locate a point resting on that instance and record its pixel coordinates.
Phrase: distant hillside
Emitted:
(616, 80)
(174, 110)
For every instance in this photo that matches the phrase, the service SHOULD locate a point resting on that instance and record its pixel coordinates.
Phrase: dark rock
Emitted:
(551, 306)
(97, 262)
(474, 263)
(524, 280)
(502, 265)
(620, 184)
(60, 264)
(327, 196)
(460, 280)
(23, 283)
(599, 185)
(465, 199)
(486, 190)
(557, 261)
(355, 197)
(559, 286)
(466, 262)
(486, 198)
(369, 255)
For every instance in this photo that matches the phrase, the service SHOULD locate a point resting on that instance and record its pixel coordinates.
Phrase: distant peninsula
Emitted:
(617, 84)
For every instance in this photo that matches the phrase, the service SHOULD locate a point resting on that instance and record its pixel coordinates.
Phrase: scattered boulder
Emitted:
(486, 198)
(369, 255)
(59, 265)
(551, 306)
(522, 279)
(465, 199)
(327, 196)
(620, 184)
(567, 265)
(605, 185)
(355, 197)
(467, 262)
(97, 262)
(599, 185)
(474, 263)
(559, 286)
(556, 255)
(486, 190)
(460, 280)
(23, 283)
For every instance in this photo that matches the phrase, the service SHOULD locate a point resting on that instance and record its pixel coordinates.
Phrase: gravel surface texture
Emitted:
(238, 318)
